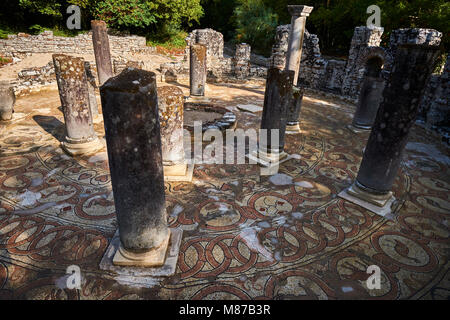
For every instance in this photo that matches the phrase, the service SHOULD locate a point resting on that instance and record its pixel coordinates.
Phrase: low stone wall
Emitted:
(46, 42)
(35, 79)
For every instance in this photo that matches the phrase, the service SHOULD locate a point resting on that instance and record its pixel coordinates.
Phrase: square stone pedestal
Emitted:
(136, 273)
(381, 205)
(197, 99)
(269, 162)
(179, 172)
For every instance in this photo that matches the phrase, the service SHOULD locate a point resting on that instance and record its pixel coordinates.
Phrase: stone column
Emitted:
(74, 95)
(130, 112)
(413, 63)
(91, 88)
(171, 105)
(7, 101)
(242, 60)
(277, 98)
(298, 23)
(101, 50)
(368, 103)
(293, 59)
(198, 69)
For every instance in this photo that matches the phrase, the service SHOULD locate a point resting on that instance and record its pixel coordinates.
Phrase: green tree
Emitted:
(255, 25)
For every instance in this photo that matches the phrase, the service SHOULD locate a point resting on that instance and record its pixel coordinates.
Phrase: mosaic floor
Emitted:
(245, 237)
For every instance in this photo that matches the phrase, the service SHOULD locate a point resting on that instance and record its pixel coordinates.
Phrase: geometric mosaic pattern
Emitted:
(287, 236)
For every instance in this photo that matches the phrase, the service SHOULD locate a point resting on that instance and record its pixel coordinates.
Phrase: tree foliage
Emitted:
(255, 24)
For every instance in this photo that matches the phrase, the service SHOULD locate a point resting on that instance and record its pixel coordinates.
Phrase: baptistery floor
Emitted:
(245, 236)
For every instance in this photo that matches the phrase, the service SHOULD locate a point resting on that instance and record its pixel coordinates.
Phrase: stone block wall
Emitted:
(46, 42)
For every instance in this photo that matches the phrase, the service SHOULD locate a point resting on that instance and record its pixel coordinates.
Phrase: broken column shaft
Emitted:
(102, 52)
(7, 101)
(74, 95)
(171, 105)
(197, 69)
(91, 88)
(413, 63)
(293, 59)
(130, 112)
(277, 98)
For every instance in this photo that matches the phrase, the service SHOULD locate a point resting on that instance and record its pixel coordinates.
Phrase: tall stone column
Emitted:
(293, 59)
(102, 52)
(298, 23)
(413, 63)
(130, 112)
(7, 101)
(198, 69)
(74, 95)
(171, 106)
(277, 98)
(368, 103)
(91, 88)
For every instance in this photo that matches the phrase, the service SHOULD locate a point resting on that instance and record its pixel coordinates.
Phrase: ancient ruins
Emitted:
(112, 159)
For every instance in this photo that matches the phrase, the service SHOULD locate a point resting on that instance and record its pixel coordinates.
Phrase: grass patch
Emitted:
(173, 45)
(4, 61)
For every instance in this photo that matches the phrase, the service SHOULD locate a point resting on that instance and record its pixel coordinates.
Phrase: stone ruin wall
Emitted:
(22, 44)
(33, 79)
(316, 72)
(220, 67)
(434, 109)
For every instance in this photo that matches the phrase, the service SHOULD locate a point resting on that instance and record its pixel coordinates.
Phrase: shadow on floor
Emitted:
(52, 125)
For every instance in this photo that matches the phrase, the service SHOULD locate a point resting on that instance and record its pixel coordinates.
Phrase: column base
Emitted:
(267, 159)
(179, 172)
(197, 99)
(75, 149)
(141, 274)
(354, 129)
(379, 204)
(150, 259)
(293, 128)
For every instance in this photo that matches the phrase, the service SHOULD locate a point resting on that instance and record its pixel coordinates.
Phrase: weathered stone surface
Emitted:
(363, 37)
(7, 100)
(21, 44)
(198, 70)
(294, 109)
(277, 100)
(242, 60)
(296, 33)
(74, 95)
(130, 111)
(91, 87)
(102, 52)
(170, 103)
(414, 58)
(368, 103)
